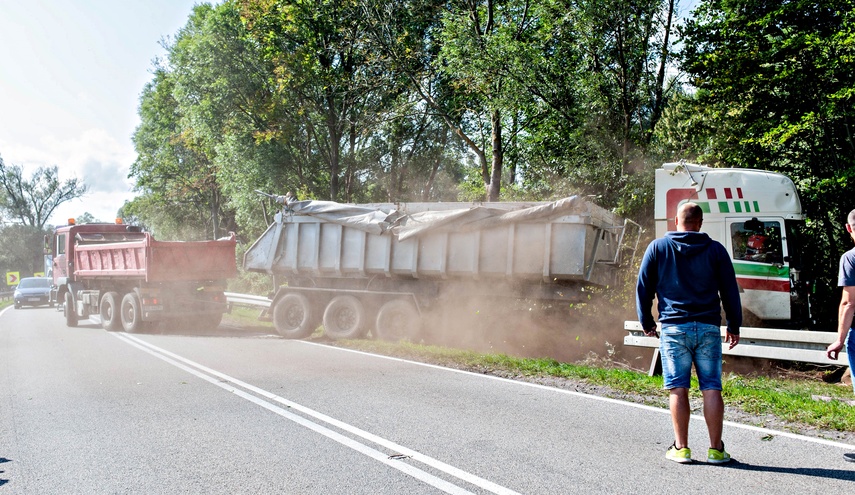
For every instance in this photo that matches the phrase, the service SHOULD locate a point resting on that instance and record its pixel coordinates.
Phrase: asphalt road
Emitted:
(86, 411)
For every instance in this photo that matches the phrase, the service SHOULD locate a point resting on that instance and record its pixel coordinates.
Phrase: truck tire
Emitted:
(344, 318)
(398, 320)
(110, 309)
(293, 316)
(68, 311)
(131, 313)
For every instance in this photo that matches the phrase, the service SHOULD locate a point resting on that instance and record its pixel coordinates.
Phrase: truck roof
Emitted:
(728, 191)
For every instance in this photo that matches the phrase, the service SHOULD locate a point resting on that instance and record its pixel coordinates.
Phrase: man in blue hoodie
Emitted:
(692, 276)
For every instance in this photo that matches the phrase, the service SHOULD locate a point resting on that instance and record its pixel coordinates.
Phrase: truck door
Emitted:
(758, 248)
(60, 267)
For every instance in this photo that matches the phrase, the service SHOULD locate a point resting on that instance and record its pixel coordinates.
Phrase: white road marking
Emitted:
(759, 429)
(223, 381)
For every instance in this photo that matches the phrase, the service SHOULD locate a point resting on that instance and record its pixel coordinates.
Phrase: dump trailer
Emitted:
(133, 281)
(382, 267)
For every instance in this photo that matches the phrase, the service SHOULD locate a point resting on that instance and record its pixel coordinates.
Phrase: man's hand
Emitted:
(833, 349)
(651, 332)
(732, 338)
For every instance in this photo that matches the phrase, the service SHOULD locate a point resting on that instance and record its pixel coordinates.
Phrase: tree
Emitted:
(329, 87)
(776, 86)
(22, 249)
(33, 201)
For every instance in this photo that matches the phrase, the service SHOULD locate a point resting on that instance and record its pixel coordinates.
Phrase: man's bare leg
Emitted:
(714, 416)
(680, 413)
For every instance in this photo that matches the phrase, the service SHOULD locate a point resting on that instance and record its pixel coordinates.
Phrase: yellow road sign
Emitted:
(12, 278)
(39, 274)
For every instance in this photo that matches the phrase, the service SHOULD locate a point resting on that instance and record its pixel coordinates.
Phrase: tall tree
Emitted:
(626, 47)
(32, 201)
(327, 80)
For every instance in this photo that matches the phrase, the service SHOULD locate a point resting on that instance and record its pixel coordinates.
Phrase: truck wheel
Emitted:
(131, 314)
(344, 318)
(398, 320)
(293, 316)
(111, 318)
(68, 311)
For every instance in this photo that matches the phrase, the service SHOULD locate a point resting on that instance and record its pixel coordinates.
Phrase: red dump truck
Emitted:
(132, 281)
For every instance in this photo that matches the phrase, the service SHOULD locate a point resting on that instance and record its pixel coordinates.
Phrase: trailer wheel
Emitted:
(111, 318)
(68, 311)
(293, 316)
(131, 314)
(344, 318)
(398, 320)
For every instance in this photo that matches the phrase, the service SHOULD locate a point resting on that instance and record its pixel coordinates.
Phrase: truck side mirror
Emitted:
(47, 249)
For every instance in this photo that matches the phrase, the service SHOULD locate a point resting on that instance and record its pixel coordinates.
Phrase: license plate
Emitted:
(31, 299)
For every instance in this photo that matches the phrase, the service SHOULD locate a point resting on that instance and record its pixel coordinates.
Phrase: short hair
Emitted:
(691, 214)
(851, 219)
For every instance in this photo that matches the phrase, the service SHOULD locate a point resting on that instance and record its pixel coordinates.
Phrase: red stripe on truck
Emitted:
(774, 285)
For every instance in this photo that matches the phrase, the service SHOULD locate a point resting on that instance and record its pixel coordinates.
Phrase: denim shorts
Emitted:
(691, 343)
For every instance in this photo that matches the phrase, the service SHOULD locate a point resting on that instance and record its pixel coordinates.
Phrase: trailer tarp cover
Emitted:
(371, 220)
(379, 220)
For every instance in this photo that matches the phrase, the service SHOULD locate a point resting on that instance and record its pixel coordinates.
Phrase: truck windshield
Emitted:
(757, 241)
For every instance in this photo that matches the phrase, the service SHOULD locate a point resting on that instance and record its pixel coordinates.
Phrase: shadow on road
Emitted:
(3, 481)
(838, 474)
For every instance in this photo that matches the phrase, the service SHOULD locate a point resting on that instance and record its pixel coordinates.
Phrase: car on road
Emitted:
(33, 291)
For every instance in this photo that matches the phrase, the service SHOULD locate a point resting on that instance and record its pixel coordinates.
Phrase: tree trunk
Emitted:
(494, 187)
(335, 152)
(659, 90)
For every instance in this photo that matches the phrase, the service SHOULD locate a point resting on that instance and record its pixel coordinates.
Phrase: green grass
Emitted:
(793, 402)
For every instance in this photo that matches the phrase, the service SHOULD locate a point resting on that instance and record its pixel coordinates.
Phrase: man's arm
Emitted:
(731, 302)
(845, 314)
(645, 291)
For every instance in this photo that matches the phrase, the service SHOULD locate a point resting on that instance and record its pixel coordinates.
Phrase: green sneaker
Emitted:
(683, 456)
(715, 456)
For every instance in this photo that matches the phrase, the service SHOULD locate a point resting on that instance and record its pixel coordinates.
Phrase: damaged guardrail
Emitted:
(765, 343)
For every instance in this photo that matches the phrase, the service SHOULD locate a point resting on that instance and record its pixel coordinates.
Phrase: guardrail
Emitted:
(6, 294)
(248, 300)
(766, 343)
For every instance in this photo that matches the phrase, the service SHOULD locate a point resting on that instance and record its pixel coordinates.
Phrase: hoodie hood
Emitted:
(688, 243)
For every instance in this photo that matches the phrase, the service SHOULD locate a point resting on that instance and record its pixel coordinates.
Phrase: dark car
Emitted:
(33, 291)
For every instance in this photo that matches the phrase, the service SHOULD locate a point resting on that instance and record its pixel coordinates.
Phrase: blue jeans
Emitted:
(686, 344)
(850, 352)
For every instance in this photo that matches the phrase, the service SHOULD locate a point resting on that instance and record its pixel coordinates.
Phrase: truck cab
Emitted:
(757, 216)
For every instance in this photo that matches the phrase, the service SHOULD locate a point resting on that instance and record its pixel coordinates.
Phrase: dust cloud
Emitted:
(562, 331)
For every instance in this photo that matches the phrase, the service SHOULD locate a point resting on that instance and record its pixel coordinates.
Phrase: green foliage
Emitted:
(373, 101)
(775, 84)
(22, 249)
